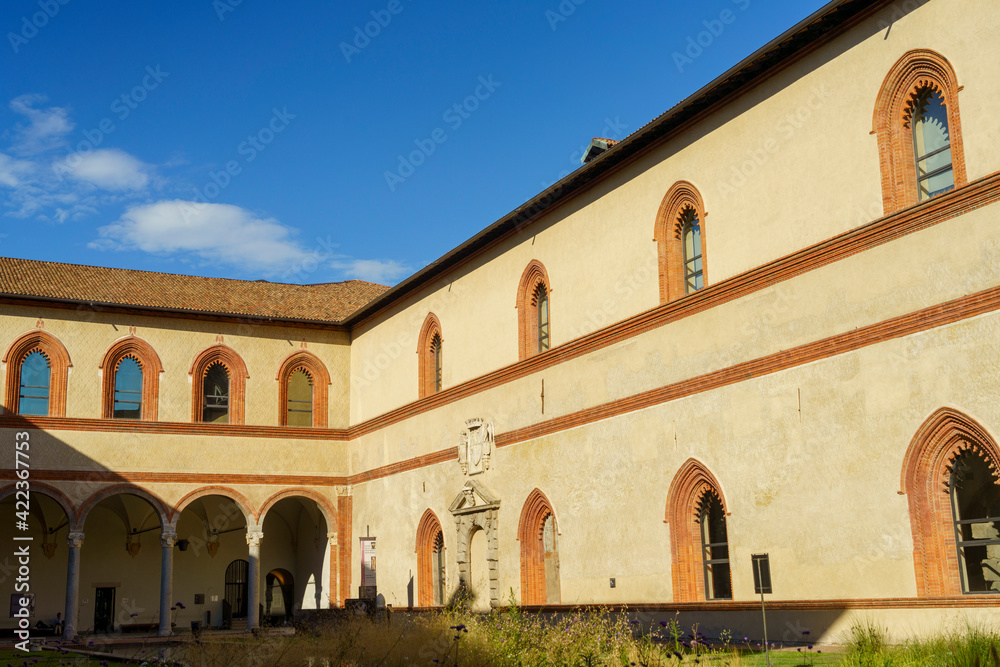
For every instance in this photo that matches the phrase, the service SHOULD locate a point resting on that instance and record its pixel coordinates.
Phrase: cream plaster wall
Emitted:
(88, 334)
(812, 122)
(817, 489)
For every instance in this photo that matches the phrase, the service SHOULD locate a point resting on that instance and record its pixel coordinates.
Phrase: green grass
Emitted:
(45, 659)
(511, 637)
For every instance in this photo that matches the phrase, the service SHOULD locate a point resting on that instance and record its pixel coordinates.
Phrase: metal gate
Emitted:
(236, 587)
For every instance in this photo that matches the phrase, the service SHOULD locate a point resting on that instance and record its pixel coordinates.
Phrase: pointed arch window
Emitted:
(681, 242)
(431, 572)
(219, 381)
(539, 538)
(699, 537)
(950, 479)
(534, 310)
(430, 357)
(130, 382)
(33, 392)
(919, 131)
(37, 372)
(303, 390)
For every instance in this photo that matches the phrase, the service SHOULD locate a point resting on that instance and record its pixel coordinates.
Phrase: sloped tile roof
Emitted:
(329, 302)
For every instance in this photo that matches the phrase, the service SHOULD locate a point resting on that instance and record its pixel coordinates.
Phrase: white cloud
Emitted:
(46, 128)
(108, 168)
(212, 232)
(382, 271)
(12, 172)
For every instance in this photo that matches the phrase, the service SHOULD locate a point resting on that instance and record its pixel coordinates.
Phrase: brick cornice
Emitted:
(199, 478)
(172, 428)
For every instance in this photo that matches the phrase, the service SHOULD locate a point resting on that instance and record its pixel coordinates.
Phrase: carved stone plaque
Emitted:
(476, 447)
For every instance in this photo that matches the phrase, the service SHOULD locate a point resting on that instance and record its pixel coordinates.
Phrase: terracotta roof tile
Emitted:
(329, 302)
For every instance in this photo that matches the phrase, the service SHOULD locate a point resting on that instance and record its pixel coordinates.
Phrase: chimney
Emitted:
(598, 145)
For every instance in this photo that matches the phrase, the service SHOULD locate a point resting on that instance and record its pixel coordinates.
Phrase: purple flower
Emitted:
(664, 623)
(805, 632)
(134, 614)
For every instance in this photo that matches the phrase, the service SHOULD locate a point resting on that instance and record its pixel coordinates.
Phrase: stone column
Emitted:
(334, 571)
(168, 537)
(75, 541)
(254, 538)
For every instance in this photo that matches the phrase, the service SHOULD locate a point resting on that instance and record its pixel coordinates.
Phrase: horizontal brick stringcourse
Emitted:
(957, 602)
(200, 478)
(174, 428)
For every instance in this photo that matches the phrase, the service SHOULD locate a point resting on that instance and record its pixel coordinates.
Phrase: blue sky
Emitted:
(308, 141)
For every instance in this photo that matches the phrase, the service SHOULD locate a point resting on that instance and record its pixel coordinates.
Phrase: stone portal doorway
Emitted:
(475, 511)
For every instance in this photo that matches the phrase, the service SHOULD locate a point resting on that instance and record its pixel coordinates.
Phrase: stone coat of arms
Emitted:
(475, 447)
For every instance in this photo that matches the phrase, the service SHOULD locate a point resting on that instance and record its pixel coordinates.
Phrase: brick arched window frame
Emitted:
(916, 71)
(317, 372)
(238, 375)
(59, 364)
(946, 435)
(149, 362)
(680, 203)
(430, 542)
(685, 500)
(534, 334)
(536, 558)
(430, 355)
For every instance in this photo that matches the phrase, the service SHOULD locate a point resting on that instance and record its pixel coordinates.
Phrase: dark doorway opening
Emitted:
(104, 610)
(236, 589)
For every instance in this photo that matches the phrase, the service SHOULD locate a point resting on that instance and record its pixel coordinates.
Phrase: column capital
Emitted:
(75, 539)
(168, 537)
(254, 537)
(332, 539)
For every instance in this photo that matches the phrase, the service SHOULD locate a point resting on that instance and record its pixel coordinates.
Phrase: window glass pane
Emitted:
(715, 549)
(692, 252)
(931, 145)
(930, 123)
(300, 398)
(439, 579)
(216, 393)
(543, 318)
(937, 184)
(976, 506)
(33, 394)
(437, 352)
(128, 390)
